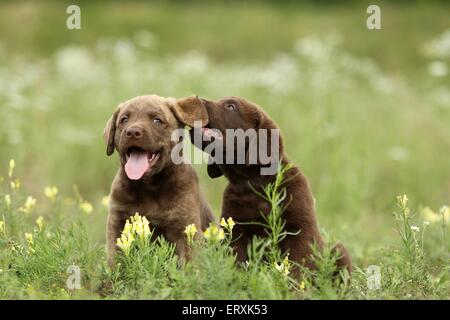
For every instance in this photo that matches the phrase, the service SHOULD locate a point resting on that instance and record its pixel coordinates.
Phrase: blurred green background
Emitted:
(364, 113)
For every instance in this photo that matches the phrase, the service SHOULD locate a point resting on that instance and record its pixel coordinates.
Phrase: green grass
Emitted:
(36, 259)
(358, 110)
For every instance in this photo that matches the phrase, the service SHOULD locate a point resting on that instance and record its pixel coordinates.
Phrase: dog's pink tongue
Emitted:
(210, 133)
(136, 165)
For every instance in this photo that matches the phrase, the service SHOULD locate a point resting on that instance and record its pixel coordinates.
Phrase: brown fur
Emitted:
(168, 195)
(241, 202)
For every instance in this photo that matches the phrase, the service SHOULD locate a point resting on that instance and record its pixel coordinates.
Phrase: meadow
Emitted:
(364, 114)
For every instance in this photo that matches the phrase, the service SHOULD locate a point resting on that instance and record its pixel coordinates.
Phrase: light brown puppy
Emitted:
(148, 181)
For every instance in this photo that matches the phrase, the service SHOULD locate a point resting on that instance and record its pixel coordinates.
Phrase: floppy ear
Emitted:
(110, 131)
(190, 109)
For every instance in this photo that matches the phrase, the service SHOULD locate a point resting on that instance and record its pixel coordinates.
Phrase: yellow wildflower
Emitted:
(135, 226)
(402, 200)
(284, 267)
(231, 223)
(228, 224)
(29, 205)
(124, 242)
(51, 193)
(146, 225)
(128, 227)
(12, 165)
(86, 207)
(223, 223)
(8, 201)
(105, 201)
(29, 238)
(40, 222)
(190, 232)
(302, 285)
(214, 234)
(140, 226)
(15, 185)
(136, 222)
(2, 226)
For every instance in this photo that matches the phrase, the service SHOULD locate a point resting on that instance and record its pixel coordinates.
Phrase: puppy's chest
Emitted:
(244, 205)
(155, 210)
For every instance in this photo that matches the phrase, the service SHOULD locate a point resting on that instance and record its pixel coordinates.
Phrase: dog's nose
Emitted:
(134, 132)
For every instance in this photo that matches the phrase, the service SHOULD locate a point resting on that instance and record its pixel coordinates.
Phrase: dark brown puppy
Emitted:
(148, 181)
(241, 202)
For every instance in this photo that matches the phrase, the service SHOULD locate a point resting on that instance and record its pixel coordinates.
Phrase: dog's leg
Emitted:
(300, 251)
(240, 245)
(344, 261)
(182, 248)
(114, 227)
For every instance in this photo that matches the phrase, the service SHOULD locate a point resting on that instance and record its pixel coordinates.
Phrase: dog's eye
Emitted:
(157, 121)
(124, 119)
(231, 106)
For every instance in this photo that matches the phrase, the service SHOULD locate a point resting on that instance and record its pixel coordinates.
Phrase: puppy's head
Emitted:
(140, 130)
(237, 114)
